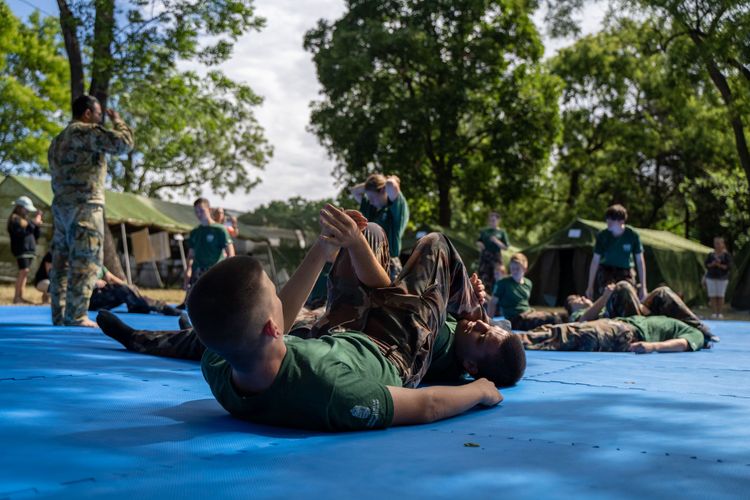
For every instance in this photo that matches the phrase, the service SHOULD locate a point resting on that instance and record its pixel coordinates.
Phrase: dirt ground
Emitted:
(175, 297)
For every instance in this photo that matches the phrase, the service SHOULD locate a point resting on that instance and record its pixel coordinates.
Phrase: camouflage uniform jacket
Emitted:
(77, 160)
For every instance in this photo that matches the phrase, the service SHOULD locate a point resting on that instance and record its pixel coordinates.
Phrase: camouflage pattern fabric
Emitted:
(77, 253)
(110, 296)
(623, 302)
(606, 275)
(78, 163)
(180, 344)
(487, 262)
(597, 335)
(394, 267)
(528, 320)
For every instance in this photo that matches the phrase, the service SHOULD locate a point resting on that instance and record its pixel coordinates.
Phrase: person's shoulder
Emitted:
(527, 281)
(631, 232)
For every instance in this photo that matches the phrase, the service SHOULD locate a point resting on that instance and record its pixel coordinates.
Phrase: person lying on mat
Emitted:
(639, 334)
(512, 294)
(621, 300)
(355, 379)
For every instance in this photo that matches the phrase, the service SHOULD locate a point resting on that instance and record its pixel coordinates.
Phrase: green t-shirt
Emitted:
(661, 328)
(207, 243)
(618, 251)
(490, 245)
(444, 365)
(335, 383)
(575, 316)
(392, 218)
(512, 297)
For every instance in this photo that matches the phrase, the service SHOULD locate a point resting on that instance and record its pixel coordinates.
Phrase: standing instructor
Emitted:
(79, 167)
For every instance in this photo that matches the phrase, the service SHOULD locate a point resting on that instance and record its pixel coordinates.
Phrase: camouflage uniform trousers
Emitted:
(528, 320)
(77, 254)
(487, 263)
(606, 275)
(662, 301)
(598, 335)
(394, 267)
(111, 296)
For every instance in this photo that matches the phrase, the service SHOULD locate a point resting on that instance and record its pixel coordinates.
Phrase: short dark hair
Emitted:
(616, 212)
(201, 201)
(82, 103)
(225, 301)
(568, 300)
(506, 366)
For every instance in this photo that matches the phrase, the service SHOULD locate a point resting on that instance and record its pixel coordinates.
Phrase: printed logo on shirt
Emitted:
(626, 247)
(209, 238)
(361, 412)
(370, 414)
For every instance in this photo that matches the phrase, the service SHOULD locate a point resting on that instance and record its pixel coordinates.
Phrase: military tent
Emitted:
(559, 265)
(738, 291)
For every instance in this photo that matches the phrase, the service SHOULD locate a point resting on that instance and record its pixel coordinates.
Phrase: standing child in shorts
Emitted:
(23, 235)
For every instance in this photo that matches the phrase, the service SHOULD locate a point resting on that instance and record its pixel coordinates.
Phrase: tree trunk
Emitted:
(101, 65)
(444, 181)
(111, 259)
(69, 24)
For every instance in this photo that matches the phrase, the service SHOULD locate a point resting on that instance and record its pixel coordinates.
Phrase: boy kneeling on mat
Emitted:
(353, 379)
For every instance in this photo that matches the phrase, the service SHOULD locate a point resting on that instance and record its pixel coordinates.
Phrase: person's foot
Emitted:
(114, 327)
(719, 316)
(184, 321)
(21, 300)
(82, 322)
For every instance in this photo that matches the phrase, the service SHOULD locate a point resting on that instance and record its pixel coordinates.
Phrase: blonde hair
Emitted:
(375, 182)
(521, 259)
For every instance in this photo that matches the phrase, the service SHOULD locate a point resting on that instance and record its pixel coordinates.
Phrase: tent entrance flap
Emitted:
(557, 273)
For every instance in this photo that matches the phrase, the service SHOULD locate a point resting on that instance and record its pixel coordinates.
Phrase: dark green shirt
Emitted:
(334, 383)
(512, 297)
(445, 366)
(618, 251)
(392, 218)
(208, 243)
(661, 328)
(490, 245)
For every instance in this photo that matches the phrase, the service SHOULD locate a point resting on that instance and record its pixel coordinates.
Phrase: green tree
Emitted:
(33, 87)
(446, 94)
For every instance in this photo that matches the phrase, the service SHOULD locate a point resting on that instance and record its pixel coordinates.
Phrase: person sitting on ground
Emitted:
(491, 243)
(23, 232)
(718, 263)
(621, 300)
(352, 379)
(639, 334)
(381, 201)
(616, 250)
(41, 278)
(209, 243)
(512, 295)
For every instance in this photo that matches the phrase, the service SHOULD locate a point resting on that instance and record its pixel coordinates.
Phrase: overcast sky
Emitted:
(276, 66)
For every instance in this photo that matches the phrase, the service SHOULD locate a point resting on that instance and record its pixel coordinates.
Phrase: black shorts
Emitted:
(24, 263)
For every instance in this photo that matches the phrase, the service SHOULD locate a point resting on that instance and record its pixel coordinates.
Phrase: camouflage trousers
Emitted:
(662, 301)
(111, 296)
(487, 263)
(598, 335)
(606, 275)
(531, 319)
(77, 254)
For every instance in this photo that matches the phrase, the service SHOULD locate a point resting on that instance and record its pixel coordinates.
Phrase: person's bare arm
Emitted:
(592, 274)
(357, 192)
(112, 279)
(672, 345)
(499, 243)
(422, 406)
(189, 268)
(392, 187)
(592, 312)
(298, 288)
(640, 264)
(340, 230)
(230, 250)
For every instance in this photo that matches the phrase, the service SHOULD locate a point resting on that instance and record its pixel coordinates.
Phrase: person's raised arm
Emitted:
(392, 187)
(592, 274)
(340, 230)
(640, 264)
(298, 288)
(118, 140)
(422, 406)
(592, 312)
(358, 192)
(671, 345)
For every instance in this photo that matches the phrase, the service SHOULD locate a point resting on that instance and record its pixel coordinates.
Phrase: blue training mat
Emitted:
(80, 417)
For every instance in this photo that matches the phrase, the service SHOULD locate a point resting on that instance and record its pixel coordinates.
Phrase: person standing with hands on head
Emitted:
(78, 165)
(23, 235)
(491, 243)
(718, 264)
(618, 248)
(382, 202)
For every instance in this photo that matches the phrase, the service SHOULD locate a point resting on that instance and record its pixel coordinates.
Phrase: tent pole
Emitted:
(127, 254)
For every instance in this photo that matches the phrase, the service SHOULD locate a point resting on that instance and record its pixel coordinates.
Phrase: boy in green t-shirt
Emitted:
(491, 243)
(617, 250)
(382, 202)
(512, 295)
(353, 379)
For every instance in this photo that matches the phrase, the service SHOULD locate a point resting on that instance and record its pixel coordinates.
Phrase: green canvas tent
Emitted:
(559, 265)
(738, 291)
